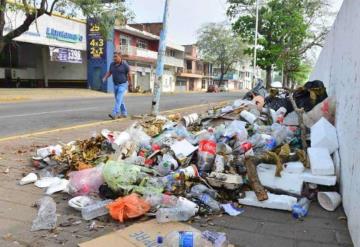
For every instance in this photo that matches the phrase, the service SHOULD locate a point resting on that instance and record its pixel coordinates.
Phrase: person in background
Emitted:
(120, 71)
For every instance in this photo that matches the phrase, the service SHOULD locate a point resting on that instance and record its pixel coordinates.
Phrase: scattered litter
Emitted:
(28, 179)
(281, 202)
(80, 202)
(253, 151)
(329, 200)
(321, 162)
(231, 210)
(46, 217)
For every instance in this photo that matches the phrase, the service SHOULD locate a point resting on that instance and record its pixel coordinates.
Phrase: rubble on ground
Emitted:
(252, 151)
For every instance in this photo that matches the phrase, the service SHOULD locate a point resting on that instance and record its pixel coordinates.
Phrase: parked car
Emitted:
(224, 88)
(213, 89)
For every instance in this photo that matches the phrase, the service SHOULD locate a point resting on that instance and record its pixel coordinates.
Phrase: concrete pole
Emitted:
(45, 58)
(160, 62)
(256, 41)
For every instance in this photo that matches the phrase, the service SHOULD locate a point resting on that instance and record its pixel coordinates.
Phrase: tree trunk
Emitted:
(221, 79)
(268, 77)
(2, 46)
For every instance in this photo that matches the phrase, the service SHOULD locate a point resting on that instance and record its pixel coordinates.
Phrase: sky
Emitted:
(186, 16)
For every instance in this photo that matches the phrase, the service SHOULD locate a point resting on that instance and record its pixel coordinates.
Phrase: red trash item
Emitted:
(128, 207)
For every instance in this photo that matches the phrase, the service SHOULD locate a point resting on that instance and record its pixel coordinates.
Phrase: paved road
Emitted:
(27, 117)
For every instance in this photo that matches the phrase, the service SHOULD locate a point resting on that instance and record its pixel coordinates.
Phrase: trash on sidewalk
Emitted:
(329, 200)
(149, 233)
(28, 179)
(46, 217)
(253, 151)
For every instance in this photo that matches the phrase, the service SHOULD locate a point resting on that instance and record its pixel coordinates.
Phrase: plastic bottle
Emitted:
(185, 239)
(301, 208)
(236, 128)
(162, 200)
(95, 210)
(206, 152)
(164, 215)
(200, 188)
(205, 195)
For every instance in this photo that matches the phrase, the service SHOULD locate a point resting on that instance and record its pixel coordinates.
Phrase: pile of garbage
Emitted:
(174, 167)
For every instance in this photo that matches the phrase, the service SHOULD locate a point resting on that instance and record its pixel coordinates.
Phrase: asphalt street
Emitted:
(27, 117)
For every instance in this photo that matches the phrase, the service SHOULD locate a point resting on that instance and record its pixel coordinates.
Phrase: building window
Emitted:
(203, 84)
(170, 53)
(142, 44)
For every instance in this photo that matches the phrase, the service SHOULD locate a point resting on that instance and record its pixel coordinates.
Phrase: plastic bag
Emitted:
(128, 207)
(86, 181)
(138, 136)
(121, 175)
(46, 218)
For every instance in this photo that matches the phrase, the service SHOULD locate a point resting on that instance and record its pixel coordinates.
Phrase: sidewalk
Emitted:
(255, 227)
(9, 95)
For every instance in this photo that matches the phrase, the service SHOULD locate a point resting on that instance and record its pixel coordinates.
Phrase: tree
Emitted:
(219, 46)
(288, 29)
(33, 9)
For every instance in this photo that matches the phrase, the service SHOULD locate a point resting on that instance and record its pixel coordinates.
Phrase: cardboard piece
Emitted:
(138, 235)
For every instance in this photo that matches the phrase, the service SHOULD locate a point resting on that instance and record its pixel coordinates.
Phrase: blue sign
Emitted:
(52, 33)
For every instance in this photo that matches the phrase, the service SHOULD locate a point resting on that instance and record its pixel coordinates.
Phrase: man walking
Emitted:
(120, 71)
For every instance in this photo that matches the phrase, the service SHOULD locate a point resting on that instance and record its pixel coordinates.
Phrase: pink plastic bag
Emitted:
(86, 181)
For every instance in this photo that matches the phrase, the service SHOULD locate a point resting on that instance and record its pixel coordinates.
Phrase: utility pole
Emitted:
(256, 42)
(160, 62)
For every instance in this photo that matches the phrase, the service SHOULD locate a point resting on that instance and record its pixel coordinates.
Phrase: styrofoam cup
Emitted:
(329, 200)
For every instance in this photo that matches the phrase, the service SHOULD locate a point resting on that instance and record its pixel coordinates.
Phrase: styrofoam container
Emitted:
(308, 177)
(321, 162)
(294, 167)
(329, 200)
(324, 135)
(281, 202)
(289, 182)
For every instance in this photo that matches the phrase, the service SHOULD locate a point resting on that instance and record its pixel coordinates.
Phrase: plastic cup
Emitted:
(329, 200)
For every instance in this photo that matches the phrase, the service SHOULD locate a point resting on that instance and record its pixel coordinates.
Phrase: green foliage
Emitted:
(301, 76)
(286, 30)
(106, 13)
(218, 45)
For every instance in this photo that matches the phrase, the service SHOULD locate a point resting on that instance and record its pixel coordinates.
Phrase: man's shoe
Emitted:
(112, 116)
(122, 116)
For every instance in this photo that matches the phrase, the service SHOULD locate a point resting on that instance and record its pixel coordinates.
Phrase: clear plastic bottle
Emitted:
(200, 188)
(301, 208)
(95, 210)
(185, 239)
(206, 152)
(162, 200)
(205, 195)
(164, 215)
(236, 128)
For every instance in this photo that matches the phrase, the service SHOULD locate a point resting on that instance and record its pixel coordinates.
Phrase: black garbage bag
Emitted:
(313, 93)
(307, 97)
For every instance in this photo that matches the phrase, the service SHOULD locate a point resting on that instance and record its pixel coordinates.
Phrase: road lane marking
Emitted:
(100, 122)
(48, 112)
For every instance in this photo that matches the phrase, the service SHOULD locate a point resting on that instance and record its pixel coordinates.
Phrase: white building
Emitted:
(52, 53)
